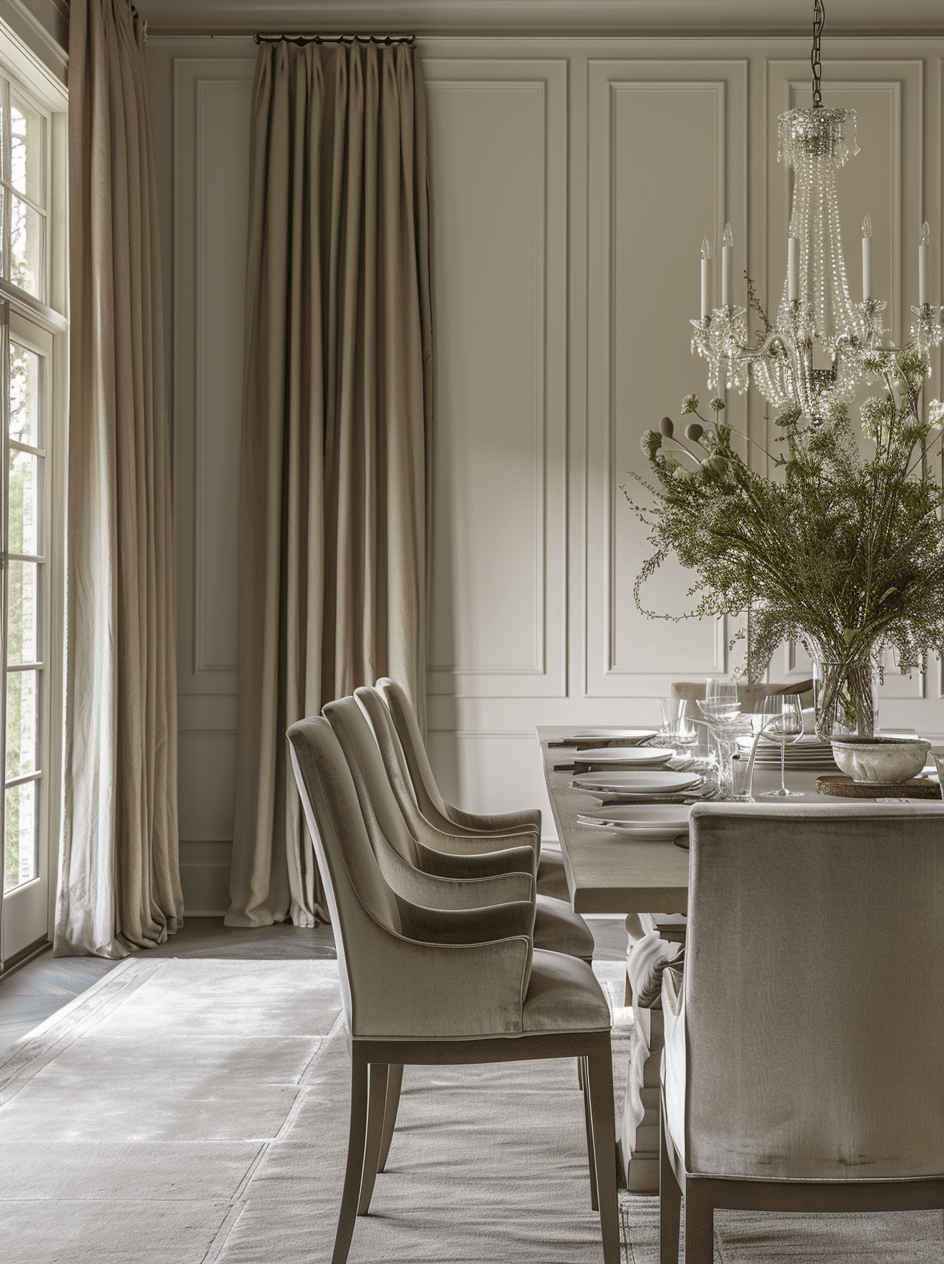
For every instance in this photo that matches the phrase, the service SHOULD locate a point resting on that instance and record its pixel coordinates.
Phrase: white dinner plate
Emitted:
(654, 781)
(652, 820)
(637, 756)
(610, 735)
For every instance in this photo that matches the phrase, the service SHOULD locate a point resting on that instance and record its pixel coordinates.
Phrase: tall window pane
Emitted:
(27, 239)
(26, 386)
(25, 498)
(22, 755)
(23, 146)
(23, 640)
(27, 150)
(20, 834)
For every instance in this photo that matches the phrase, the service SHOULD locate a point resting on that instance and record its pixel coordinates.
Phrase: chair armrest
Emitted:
(456, 823)
(466, 926)
(432, 890)
(411, 990)
(496, 822)
(438, 857)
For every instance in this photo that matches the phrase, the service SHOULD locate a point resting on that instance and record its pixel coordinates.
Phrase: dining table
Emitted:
(646, 881)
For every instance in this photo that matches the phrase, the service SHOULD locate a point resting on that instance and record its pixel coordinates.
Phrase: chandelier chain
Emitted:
(819, 19)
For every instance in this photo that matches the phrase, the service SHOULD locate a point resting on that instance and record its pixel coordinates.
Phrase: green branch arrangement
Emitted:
(841, 550)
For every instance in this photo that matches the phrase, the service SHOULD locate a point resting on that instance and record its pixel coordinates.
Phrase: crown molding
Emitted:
(543, 17)
(43, 25)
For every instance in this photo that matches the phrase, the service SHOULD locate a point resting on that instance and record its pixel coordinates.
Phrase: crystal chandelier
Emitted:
(822, 344)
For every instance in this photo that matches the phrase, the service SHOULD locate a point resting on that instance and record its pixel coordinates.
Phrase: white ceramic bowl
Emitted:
(883, 759)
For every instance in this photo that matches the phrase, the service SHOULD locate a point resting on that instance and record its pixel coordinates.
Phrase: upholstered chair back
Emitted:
(813, 1033)
(359, 901)
(375, 708)
(414, 749)
(382, 813)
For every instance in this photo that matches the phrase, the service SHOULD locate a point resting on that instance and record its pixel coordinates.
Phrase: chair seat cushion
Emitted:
(552, 879)
(563, 995)
(559, 929)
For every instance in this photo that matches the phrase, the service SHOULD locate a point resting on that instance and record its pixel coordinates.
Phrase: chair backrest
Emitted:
(391, 750)
(750, 695)
(414, 749)
(407, 972)
(814, 992)
(359, 900)
(382, 814)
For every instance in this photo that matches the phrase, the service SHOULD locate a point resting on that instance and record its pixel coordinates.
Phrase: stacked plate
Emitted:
(596, 737)
(650, 821)
(607, 757)
(809, 754)
(632, 784)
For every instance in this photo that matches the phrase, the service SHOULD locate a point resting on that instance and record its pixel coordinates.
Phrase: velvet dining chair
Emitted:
(551, 876)
(410, 853)
(428, 987)
(803, 1036)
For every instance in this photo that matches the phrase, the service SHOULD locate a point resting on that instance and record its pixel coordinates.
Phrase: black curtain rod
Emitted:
(333, 39)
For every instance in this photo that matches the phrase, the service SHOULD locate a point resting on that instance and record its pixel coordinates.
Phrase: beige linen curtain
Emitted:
(119, 885)
(336, 418)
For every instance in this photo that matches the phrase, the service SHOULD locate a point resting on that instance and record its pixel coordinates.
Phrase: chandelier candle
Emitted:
(705, 280)
(727, 266)
(866, 258)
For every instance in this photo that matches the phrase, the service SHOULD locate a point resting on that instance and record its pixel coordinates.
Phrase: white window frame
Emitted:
(32, 906)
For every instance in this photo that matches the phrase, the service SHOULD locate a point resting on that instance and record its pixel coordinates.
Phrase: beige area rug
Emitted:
(195, 1112)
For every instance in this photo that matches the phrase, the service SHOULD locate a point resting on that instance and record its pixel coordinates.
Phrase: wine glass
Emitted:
(721, 701)
(719, 706)
(781, 720)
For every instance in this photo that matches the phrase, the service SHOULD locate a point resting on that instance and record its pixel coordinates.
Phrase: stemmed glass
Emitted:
(720, 707)
(721, 701)
(781, 720)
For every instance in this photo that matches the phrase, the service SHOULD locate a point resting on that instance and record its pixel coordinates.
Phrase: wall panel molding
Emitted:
(667, 155)
(498, 157)
(211, 190)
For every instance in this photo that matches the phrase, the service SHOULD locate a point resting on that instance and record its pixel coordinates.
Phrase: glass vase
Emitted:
(846, 699)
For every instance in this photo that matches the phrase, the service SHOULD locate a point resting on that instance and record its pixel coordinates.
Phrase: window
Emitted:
(24, 598)
(23, 179)
(33, 347)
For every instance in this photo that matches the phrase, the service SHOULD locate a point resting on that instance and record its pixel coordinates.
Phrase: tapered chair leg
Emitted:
(394, 1080)
(699, 1226)
(355, 1160)
(670, 1203)
(588, 1123)
(376, 1102)
(600, 1081)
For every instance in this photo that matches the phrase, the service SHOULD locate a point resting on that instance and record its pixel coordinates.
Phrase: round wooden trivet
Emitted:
(845, 788)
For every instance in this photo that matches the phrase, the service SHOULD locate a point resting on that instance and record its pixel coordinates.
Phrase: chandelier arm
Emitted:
(773, 340)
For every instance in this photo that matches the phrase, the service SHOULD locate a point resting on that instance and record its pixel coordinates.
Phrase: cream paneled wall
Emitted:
(572, 183)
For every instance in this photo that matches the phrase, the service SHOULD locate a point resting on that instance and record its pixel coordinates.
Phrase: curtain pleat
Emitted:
(336, 427)
(119, 885)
